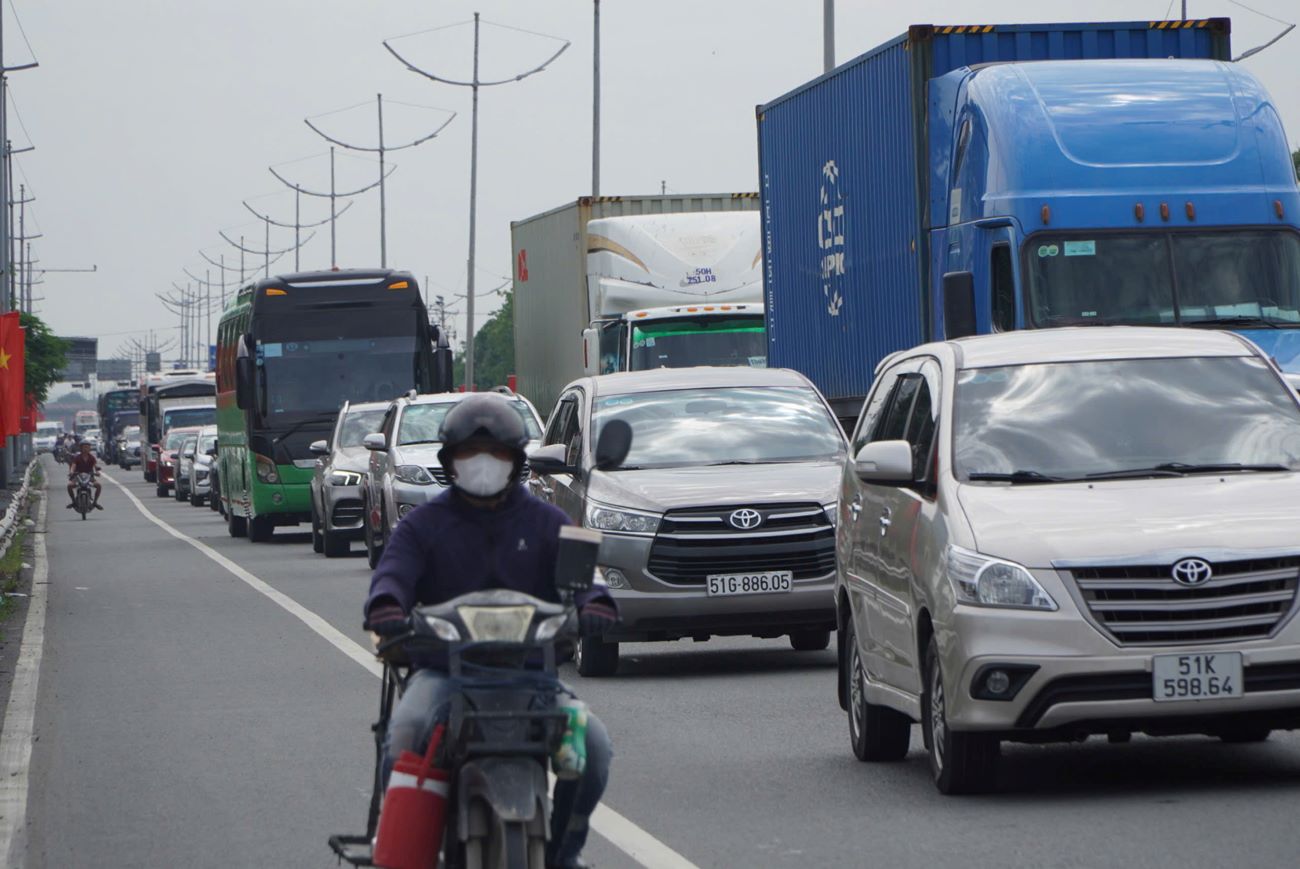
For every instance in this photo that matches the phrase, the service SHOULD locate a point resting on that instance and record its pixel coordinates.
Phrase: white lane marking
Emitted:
(20, 713)
(623, 833)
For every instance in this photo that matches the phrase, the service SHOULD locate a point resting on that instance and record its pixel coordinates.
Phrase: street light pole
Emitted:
(595, 100)
(828, 34)
(333, 196)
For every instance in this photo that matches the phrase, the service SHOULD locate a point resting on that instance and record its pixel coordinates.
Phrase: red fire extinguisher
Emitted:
(414, 812)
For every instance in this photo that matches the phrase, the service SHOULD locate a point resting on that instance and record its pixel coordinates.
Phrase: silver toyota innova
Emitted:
(1049, 534)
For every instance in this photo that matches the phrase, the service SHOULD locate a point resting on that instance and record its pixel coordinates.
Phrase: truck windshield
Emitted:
(1073, 420)
(188, 416)
(724, 426)
(722, 341)
(1232, 278)
(308, 367)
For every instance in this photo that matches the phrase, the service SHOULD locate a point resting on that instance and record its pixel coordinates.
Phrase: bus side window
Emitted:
(1003, 284)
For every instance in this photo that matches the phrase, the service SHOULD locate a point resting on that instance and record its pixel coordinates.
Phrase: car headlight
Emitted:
(504, 624)
(266, 469)
(413, 474)
(983, 581)
(345, 478)
(549, 628)
(627, 521)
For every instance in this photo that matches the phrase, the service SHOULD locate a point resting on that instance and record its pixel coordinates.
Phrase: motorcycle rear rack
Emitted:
(357, 850)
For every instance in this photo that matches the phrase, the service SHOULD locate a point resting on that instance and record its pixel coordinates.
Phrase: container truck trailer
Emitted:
(626, 282)
(982, 178)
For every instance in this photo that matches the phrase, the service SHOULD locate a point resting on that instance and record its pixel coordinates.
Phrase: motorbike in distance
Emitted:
(83, 494)
(505, 720)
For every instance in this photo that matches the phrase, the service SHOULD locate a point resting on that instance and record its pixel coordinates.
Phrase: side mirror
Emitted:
(244, 382)
(958, 305)
(888, 463)
(319, 448)
(211, 451)
(549, 460)
(375, 441)
(591, 351)
(613, 445)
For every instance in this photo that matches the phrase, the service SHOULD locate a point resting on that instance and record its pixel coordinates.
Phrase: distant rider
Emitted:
(83, 463)
(484, 532)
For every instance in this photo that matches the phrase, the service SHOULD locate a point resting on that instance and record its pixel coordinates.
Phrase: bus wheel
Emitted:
(260, 529)
(236, 525)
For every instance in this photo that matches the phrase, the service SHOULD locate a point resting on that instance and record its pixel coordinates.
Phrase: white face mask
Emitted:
(483, 475)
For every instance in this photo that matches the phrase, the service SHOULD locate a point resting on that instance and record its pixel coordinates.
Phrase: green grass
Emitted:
(11, 567)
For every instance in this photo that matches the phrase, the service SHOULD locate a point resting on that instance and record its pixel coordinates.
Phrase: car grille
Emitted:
(348, 511)
(439, 475)
(1142, 605)
(692, 544)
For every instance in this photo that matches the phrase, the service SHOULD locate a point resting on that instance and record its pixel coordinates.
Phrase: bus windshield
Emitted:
(686, 343)
(1225, 278)
(306, 367)
(120, 399)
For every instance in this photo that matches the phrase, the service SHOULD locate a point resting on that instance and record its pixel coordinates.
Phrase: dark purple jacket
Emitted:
(448, 547)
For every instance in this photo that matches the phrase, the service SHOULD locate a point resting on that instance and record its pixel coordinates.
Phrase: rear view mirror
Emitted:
(244, 382)
(958, 305)
(591, 351)
(549, 460)
(575, 562)
(613, 445)
(319, 448)
(885, 462)
(375, 441)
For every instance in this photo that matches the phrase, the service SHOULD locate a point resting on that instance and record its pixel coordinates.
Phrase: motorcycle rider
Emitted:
(83, 463)
(485, 531)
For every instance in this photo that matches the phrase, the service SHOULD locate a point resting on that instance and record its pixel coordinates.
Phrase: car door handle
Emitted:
(541, 488)
(885, 521)
(855, 507)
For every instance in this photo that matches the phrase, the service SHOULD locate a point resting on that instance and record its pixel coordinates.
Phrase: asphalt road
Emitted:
(185, 719)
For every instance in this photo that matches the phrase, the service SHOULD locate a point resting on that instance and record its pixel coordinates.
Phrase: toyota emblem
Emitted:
(1192, 572)
(745, 519)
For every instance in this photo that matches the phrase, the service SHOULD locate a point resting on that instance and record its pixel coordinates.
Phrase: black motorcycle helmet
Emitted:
(485, 419)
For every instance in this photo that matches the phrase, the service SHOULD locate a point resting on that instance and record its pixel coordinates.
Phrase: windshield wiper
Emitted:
(414, 443)
(1235, 321)
(1021, 476)
(1181, 469)
(300, 424)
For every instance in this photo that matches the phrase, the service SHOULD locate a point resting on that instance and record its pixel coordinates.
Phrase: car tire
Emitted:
(1245, 734)
(161, 491)
(260, 529)
(374, 551)
(334, 545)
(960, 762)
(236, 526)
(876, 733)
(181, 494)
(317, 538)
(196, 500)
(595, 657)
(810, 640)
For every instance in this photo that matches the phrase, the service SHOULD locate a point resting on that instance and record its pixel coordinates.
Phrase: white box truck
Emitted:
(626, 283)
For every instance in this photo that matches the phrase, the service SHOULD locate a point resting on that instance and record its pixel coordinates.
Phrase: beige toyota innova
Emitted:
(1049, 534)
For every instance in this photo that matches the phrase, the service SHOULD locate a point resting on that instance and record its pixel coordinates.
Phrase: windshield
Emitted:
(1164, 278)
(1079, 418)
(187, 416)
(131, 432)
(754, 425)
(357, 425)
(313, 362)
(208, 442)
(420, 422)
(121, 400)
(175, 439)
(724, 341)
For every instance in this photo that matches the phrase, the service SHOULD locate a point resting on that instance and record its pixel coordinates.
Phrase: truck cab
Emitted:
(1113, 192)
(680, 336)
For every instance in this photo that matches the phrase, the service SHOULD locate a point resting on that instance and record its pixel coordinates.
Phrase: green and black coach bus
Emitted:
(291, 350)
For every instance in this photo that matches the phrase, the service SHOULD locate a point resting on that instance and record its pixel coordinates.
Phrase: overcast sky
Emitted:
(154, 119)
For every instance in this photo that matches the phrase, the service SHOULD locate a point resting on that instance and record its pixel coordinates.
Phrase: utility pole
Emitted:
(333, 196)
(265, 252)
(828, 33)
(381, 150)
(297, 226)
(595, 100)
(473, 84)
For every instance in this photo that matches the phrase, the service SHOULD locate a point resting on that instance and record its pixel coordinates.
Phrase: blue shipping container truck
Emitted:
(1129, 174)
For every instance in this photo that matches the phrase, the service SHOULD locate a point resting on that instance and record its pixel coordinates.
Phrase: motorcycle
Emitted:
(83, 497)
(502, 727)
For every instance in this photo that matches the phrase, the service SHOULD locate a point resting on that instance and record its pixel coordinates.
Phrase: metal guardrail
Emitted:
(9, 523)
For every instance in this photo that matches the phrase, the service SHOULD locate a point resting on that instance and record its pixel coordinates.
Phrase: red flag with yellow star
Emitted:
(13, 392)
